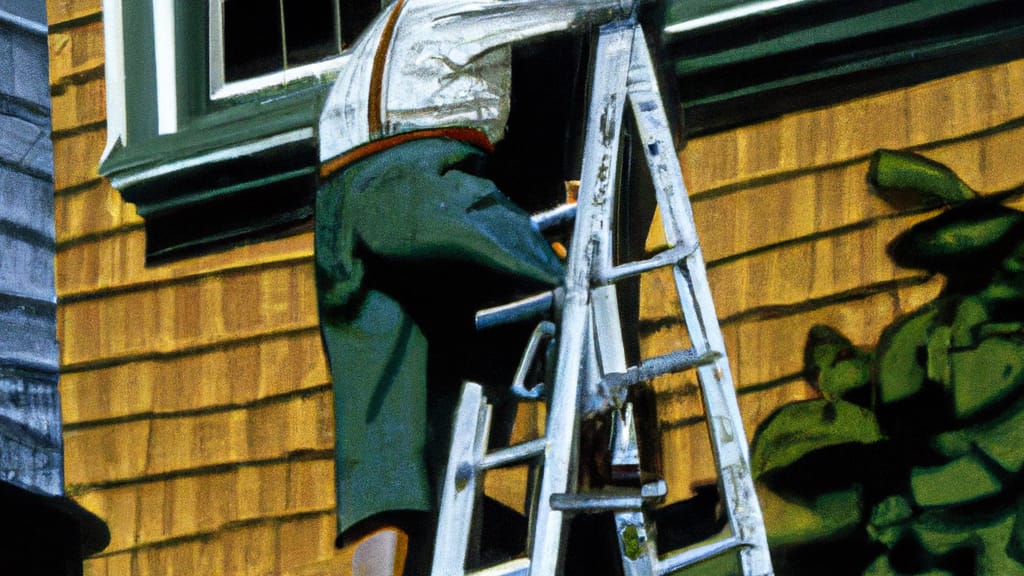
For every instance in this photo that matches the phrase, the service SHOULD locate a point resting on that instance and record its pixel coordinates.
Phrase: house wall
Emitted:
(197, 404)
(793, 237)
(198, 409)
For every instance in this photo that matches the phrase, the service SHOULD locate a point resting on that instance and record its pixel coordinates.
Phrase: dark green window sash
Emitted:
(813, 53)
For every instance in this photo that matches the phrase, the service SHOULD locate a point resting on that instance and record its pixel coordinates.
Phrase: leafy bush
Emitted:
(911, 461)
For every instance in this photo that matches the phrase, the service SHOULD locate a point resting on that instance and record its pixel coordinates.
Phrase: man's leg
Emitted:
(391, 544)
(380, 553)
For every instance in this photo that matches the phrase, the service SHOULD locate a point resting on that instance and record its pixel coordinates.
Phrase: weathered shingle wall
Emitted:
(793, 237)
(197, 403)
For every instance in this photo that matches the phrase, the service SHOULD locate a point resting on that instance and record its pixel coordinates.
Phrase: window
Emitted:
(259, 43)
(181, 103)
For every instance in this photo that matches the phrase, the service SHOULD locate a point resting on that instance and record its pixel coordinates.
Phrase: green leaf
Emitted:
(937, 537)
(837, 367)
(789, 522)
(901, 373)
(953, 444)
(1002, 438)
(991, 545)
(800, 428)
(846, 377)
(971, 313)
(963, 480)
(888, 520)
(966, 241)
(938, 368)
(986, 375)
(907, 180)
(882, 567)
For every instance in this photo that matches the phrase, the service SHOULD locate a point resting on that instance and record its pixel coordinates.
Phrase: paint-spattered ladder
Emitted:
(591, 358)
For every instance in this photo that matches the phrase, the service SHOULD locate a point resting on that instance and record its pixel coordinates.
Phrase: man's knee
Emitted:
(380, 553)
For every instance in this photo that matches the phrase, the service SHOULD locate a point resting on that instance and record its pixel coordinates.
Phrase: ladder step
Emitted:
(556, 216)
(527, 308)
(613, 499)
(514, 453)
(675, 561)
(669, 257)
(517, 567)
(659, 366)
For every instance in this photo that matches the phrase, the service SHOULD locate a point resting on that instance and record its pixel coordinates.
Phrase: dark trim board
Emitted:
(817, 53)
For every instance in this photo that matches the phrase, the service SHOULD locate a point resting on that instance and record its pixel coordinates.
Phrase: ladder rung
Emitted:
(610, 500)
(516, 567)
(669, 257)
(554, 217)
(514, 453)
(659, 366)
(672, 562)
(524, 309)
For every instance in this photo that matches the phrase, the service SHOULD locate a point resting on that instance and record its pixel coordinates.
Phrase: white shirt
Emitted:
(427, 64)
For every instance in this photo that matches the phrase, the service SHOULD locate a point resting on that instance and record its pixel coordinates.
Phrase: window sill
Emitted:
(238, 174)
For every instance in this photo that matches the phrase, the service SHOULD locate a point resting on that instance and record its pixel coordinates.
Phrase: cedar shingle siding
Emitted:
(196, 400)
(793, 237)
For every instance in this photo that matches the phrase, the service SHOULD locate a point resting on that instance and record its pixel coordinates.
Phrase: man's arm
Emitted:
(491, 23)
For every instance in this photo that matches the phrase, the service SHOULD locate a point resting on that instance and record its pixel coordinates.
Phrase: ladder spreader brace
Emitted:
(590, 350)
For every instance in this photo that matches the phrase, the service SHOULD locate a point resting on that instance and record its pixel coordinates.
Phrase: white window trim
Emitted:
(321, 70)
(251, 148)
(113, 45)
(220, 89)
(730, 14)
(166, 67)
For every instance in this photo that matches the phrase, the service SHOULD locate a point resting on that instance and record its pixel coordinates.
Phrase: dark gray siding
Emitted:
(30, 424)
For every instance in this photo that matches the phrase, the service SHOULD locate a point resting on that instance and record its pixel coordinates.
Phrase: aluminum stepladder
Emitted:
(590, 353)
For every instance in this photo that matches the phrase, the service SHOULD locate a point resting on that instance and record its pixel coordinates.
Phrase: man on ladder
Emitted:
(423, 100)
(403, 202)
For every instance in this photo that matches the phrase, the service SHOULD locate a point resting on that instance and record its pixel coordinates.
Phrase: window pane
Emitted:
(310, 29)
(355, 16)
(252, 38)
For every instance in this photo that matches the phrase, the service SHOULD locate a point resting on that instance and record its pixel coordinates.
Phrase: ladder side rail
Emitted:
(596, 186)
(607, 328)
(462, 490)
(659, 149)
(635, 533)
(729, 442)
(728, 437)
(725, 424)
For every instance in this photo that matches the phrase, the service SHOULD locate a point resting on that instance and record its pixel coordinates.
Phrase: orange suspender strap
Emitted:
(374, 111)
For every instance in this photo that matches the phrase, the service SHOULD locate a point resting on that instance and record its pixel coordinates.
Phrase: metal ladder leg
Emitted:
(728, 438)
(590, 355)
(597, 185)
(463, 485)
